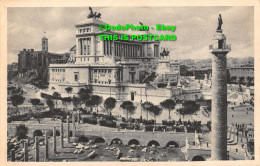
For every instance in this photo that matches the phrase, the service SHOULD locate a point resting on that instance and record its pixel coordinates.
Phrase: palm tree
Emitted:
(17, 100)
(168, 105)
(129, 108)
(188, 108)
(110, 104)
(155, 111)
(146, 107)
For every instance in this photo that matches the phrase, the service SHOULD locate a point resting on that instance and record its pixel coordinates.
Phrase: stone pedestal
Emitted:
(219, 97)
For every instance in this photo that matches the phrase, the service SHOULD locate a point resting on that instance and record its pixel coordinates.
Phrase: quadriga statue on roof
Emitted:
(93, 15)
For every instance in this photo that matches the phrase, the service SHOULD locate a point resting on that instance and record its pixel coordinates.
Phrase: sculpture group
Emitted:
(94, 15)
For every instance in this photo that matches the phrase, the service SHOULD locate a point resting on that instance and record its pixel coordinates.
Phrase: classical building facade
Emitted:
(242, 74)
(112, 67)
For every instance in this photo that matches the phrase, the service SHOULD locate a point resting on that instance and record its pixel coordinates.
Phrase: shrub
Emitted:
(90, 120)
(107, 123)
(23, 117)
(157, 128)
(130, 126)
(149, 122)
(168, 123)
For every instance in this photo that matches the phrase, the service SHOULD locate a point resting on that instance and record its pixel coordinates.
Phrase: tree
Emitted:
(76, 102)
(129, 108)
(241, 80)
(56, 96)
(249, 81)
(68, 90)
(85, 94)
(17, 100)
(188, 108)
(96, 100)
(66, 101)
(168, 105)
(50, 104)
(89, 103)
(155, 111)
(233, 79)
(110, 104)
(21, 131)
(146, 107)
(35, 102)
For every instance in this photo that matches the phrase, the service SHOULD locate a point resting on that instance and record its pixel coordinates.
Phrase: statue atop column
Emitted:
(93, 15)
(220, 22)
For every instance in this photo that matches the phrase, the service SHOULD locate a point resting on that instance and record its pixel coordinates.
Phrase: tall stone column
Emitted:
(61, 134)
(73, 120)
(46, 146)
(219, 96)
(78, 117)
(54, 139)
(25, 151)
(37, 157)
(68, 128)
(12, 155)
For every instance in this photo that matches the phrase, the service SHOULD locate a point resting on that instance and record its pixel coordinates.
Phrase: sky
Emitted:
(195, 27)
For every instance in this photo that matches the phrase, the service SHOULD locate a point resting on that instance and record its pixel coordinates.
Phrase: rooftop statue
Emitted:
(220, 22)
(93, 15)
(165, 52)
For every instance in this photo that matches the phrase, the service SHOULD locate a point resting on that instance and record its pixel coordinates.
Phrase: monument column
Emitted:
(219, 95)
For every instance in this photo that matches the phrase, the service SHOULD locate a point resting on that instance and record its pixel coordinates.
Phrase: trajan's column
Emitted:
(219, 49)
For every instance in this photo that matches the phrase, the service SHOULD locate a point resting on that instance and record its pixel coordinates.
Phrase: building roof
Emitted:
(89, 21)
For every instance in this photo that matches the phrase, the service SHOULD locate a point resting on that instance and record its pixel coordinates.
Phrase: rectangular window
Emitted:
(76, 76)
(88, 46)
